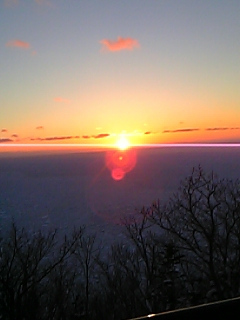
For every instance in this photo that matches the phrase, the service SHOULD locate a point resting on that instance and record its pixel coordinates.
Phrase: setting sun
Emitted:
(123, 143)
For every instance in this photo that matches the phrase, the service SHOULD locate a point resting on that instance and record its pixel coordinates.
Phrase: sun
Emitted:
(122, 143)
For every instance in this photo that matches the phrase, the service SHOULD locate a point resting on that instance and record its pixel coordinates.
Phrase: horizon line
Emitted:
(155, 145)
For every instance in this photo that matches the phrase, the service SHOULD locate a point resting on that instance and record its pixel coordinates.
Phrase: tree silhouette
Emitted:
(203, 219)
(26, 262)
(184, 252)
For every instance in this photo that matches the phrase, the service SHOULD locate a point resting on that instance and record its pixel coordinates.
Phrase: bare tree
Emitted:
(120, 282)
(86, 253)
(159, 258)
(181, 253)
(26, 261)
(203, 219)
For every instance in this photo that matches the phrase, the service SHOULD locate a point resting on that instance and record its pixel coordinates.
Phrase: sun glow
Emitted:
(122, 143)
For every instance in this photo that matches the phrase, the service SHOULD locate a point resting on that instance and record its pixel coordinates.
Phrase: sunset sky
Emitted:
(85, 71)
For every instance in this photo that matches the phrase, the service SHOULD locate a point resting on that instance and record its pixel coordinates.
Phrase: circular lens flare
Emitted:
(118, 174)
(120, 162)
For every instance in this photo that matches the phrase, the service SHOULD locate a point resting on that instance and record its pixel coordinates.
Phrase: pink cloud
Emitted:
(119, 44)
(43, 2)
(10, 3)
(14, 135)
(61, 100)
(39, 127)
(18, 44)
(4, 130)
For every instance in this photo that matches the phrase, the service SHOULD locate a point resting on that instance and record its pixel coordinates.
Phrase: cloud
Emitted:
(43, 2)
(181, 130)
(4, 140)
(61, 100)
(101, 135)
(55, 138)
(98, 136)
(18, 44)
(10, 3)
(4, 130)
(14, 135)
(39, 127)
(119, 44)
(150, 132)
(222, 128)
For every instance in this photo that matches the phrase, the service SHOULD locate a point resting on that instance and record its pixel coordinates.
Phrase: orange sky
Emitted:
(155, 72)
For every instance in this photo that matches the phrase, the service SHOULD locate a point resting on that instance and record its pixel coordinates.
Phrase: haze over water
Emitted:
(67, 190)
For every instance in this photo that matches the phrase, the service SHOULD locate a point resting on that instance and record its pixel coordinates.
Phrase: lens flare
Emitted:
(120, 162)
(118, 174)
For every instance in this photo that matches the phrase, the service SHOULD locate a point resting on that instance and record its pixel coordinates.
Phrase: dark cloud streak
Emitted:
(181, 130)
(55, 138)
(98, 136)
(101, 135)
(4, 140)
(222, 128)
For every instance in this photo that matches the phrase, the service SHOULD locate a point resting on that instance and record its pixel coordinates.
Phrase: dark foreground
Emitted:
(221, 310)
(168, 255)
